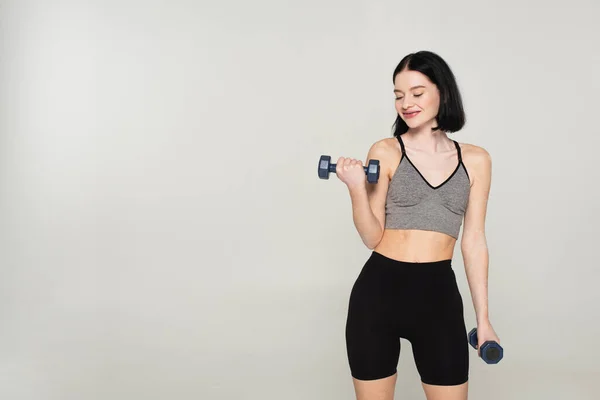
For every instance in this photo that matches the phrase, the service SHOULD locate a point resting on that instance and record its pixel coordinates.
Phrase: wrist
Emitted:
(358, 188)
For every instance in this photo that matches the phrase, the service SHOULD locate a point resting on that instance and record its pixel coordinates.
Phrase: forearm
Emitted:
(366, 223)
(476, 260)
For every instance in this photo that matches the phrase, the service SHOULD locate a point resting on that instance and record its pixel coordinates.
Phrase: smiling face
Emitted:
(417, 99)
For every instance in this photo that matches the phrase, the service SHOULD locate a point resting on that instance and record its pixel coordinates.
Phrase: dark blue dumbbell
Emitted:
(325, 167)
(491, 351)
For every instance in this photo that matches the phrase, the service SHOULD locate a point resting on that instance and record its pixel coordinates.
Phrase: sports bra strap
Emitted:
(401, 145)
(458, 149)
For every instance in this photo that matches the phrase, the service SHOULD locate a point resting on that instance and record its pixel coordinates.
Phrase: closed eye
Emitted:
(416, 95)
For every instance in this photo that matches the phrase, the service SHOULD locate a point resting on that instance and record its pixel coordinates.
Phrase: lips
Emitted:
(410, 114)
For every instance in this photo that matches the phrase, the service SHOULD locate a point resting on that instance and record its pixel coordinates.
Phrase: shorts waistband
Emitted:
(413, 265)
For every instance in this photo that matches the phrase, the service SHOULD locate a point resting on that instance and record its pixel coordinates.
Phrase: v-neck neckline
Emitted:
(426, 181)
(404, 155)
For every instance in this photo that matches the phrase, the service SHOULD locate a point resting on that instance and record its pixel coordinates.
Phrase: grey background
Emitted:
(163, 230)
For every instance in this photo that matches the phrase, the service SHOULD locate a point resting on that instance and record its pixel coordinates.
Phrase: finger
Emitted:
(339, 166)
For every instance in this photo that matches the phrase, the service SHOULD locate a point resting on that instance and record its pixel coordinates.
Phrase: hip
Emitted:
(424, 287)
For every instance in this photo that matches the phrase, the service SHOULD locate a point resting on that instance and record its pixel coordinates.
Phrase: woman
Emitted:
(411, 219)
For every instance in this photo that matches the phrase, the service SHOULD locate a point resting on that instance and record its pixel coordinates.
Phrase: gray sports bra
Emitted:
(412, 203)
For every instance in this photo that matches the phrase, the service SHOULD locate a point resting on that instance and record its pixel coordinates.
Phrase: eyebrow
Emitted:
(414, 87)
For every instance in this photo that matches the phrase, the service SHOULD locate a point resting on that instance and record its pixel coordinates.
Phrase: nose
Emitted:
(405, 104)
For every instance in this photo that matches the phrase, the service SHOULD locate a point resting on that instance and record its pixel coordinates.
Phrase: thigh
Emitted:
(441, 355)
(372, 340)
(439, 342)
(372, 354)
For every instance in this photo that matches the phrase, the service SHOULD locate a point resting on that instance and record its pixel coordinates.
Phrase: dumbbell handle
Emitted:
(332, 168)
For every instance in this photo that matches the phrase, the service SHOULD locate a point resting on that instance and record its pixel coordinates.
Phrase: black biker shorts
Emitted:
(419, 302)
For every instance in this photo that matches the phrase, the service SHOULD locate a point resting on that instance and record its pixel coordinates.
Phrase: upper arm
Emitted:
(377, 192)
(475, 214)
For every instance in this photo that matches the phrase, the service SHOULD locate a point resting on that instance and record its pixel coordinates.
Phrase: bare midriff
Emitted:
(416, 245)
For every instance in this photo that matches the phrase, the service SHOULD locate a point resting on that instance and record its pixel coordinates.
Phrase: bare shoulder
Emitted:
(471, 151)
(385, 145)
(387, 151)
(477, 160)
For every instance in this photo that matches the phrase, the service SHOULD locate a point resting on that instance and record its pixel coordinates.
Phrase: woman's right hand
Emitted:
(351, 172)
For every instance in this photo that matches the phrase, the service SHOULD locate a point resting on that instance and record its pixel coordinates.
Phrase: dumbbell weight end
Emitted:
(491, 351)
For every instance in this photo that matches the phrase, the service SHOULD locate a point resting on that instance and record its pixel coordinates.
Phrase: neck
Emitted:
(428, 140)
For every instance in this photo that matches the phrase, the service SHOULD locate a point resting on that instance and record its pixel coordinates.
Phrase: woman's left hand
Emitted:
(485, 332)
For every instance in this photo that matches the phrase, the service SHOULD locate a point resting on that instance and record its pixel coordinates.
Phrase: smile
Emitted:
(410, 114)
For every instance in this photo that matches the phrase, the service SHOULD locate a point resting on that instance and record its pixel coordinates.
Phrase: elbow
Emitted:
(371, 244)
(372, 236)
